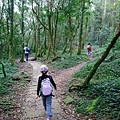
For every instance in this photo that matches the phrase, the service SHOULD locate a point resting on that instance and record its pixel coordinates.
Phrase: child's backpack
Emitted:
(89, 47)
(46, 87)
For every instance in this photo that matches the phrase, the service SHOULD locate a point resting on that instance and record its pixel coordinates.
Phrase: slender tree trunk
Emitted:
(81, 29)
(65, 46)
(22, 30)
(3, 69)
(85, 33)
(49, 36)
(11, 57)
(1, 24)
(70, 34)
(45, 41)
(0, 48)
(8, 31)
(38, 40)
(97, 64)
(38, 34)
(65, 38)
(103, 23)
(55, 34)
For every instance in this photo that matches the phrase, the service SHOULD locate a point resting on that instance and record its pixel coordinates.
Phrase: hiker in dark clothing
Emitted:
(26, 52)
(44, 88)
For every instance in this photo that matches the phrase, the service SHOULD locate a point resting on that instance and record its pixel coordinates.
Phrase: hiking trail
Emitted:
(32, 108)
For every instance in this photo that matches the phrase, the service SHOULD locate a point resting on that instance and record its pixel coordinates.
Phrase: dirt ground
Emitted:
(61, 78)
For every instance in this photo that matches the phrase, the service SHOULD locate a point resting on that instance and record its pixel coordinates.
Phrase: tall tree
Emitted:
(81, 28)
(1, 24)
(103, 22)
(11, 46)
(22, 28)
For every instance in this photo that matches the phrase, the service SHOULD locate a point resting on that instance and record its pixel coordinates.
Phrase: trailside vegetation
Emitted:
(100, 100)
(11, 88)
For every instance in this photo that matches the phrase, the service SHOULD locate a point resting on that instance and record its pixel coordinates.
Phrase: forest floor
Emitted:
(31, 108)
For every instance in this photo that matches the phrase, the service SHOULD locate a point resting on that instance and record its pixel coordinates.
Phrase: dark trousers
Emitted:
(26, 56)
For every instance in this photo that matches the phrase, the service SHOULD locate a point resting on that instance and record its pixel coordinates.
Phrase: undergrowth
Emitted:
(66, 61)
(102, 97)
(5, 83)
(9, 87)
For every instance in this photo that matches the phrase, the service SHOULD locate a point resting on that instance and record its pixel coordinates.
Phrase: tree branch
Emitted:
(39, 19)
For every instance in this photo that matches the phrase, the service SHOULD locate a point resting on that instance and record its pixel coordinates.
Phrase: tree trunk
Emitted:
(45, 41)
(65, 46)
(55, 34)
(1, 24)
(0, 49)
(11, 57)
(81, 29)
(38, 34)
(103, 23)
(3, 69)
(37, 40)
(22, 30)
(70, 34)
(50, 37)
(97, 64)
(85, 33)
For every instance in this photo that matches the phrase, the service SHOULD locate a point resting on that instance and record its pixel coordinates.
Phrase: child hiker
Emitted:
(44, 87)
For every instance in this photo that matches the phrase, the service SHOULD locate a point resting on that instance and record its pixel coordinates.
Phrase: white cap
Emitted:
(43, 69)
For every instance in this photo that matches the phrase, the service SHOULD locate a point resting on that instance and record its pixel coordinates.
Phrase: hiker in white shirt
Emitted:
(26, 52)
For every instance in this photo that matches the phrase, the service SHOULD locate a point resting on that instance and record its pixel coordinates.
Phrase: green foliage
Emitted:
(92, 106)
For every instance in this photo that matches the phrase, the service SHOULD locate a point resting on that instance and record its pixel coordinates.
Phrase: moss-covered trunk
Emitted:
(93, 70)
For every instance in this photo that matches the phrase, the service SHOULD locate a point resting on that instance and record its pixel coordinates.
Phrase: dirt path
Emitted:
(33, 108)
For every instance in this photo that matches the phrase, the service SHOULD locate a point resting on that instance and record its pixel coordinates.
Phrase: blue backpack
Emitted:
(27, 49)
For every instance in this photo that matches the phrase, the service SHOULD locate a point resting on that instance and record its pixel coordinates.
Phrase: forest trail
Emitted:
(33, 108)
